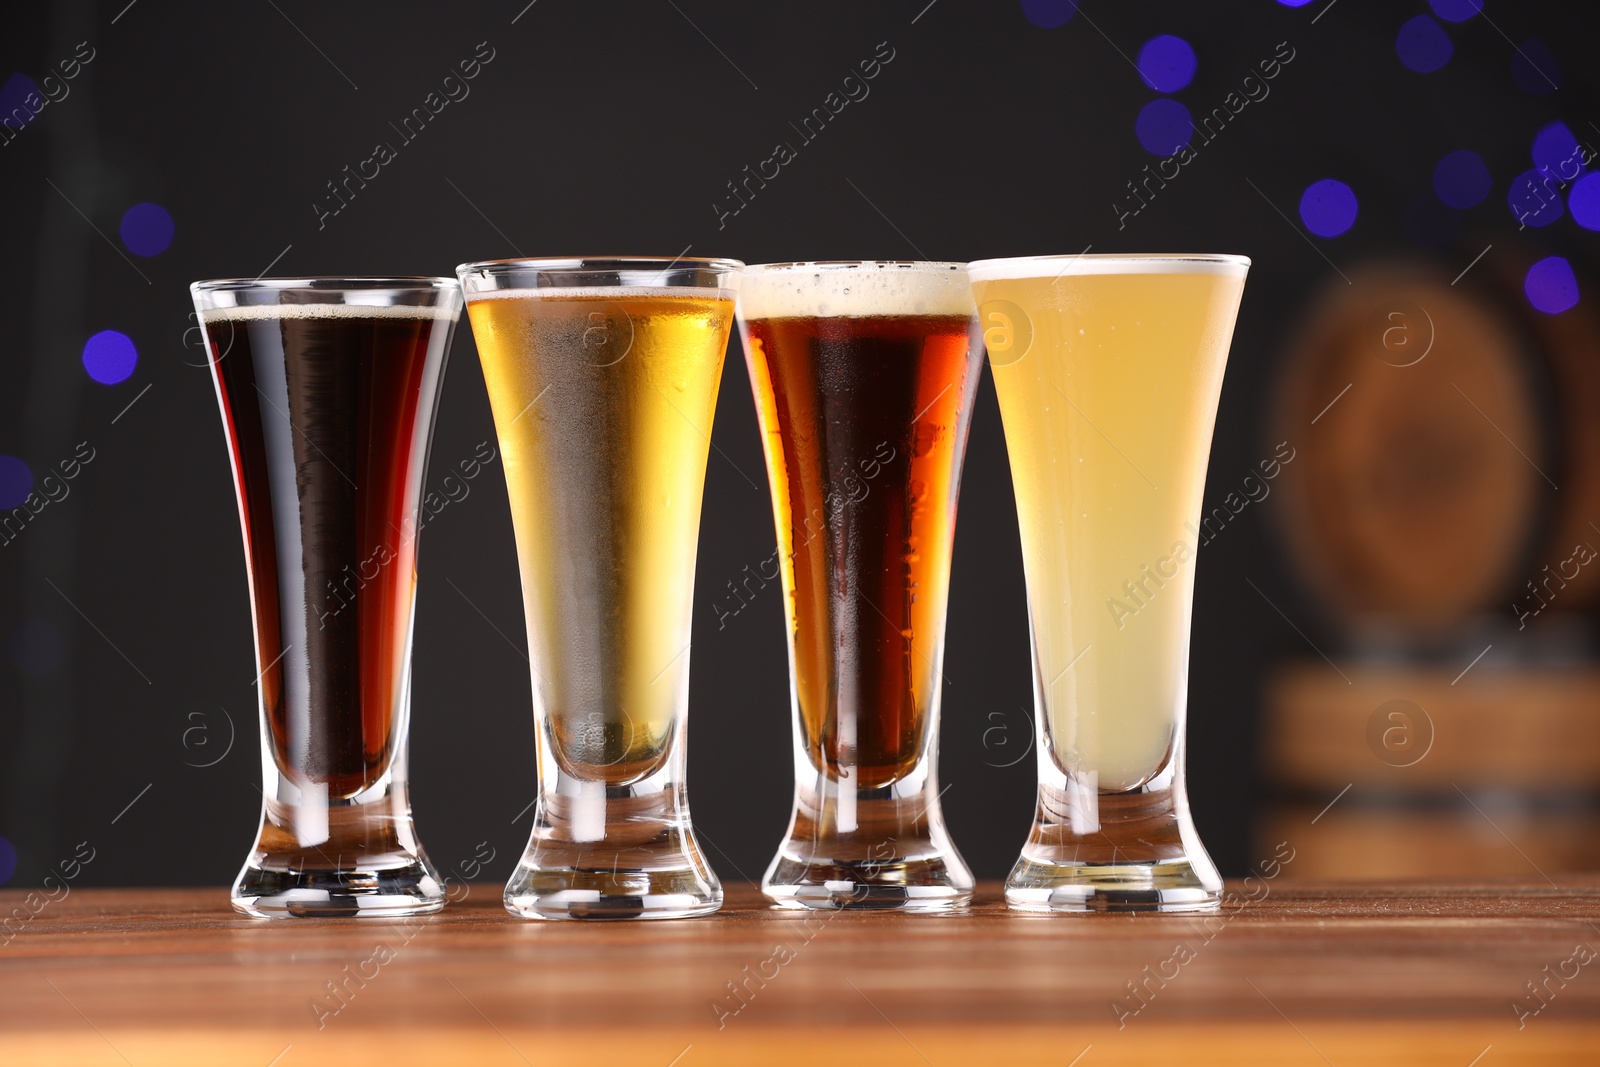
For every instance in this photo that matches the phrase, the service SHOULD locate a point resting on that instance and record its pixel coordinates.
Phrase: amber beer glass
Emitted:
(864, 375)
(1108, 370)
(328, 388)
(603, 377)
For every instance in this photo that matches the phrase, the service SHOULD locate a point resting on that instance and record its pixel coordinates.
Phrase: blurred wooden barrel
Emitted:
(1446, 483)
(1433, 423)
(1405, 772)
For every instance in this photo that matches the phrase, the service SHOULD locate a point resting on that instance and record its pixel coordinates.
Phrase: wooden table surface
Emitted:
(1286, 974)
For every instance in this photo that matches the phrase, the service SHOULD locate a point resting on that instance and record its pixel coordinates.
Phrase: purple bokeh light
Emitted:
(109, 357)
(1422, 45)
(1462, 179)
(1551, 286)
(1328, 207)
(1584, 202)
(1167, 63)
(16, 482)
(1049, 14)
(1456, 10)
(1555, 151)
(1164, 127)
(12, 94)
(1534, 199)
(146, 229)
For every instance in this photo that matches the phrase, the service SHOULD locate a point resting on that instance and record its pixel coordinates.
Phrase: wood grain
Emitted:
(1301, 974)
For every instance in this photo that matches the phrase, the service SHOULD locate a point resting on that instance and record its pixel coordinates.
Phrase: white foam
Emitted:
(811, 290)
(602, 292)
(1066, 266)
(261, 312)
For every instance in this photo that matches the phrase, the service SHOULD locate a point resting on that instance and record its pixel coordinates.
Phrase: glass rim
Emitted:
(1142, 262)
(797, 265)
(419, 283)
(596, 264)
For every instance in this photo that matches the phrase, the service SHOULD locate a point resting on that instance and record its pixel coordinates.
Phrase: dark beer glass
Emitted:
(328, 388)
(864, 375)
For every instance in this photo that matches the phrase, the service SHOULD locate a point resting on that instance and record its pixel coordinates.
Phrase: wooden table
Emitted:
(1301, 974)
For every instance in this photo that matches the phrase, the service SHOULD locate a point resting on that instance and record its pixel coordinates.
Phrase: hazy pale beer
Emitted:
(603, 377)
(1108, 371)
(864, 376)
(328, 389)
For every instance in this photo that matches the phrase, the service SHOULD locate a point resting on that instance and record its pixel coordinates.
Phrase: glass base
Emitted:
(892, 853)
(612, 854)
(916, 885)
(1173, 886)
(1130, 851)
(412, 889)
(341, 858)
(579, 893)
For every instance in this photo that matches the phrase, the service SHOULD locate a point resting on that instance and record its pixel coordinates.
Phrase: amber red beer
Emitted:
(327, 389)
(864, 376)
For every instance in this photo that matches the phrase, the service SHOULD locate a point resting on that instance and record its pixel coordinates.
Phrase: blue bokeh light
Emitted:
(1584, 202)
(1462, 179)
(1422, 45)
(1456, 10)
(1534, 68)
(1049, 14)
(37, 647)
(16, 482)
(1167, 63)
(109, 357)
(146, 229)
(1534, 199)
(1294, 3)
(1551, 286)
(1430, 223)
(1164, 127)
(12, 94)
(1328, 207)
(8, 860)
(1555, 151)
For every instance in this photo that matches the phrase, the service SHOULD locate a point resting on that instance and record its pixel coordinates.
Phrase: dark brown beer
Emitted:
(328, 410)
(864, 420)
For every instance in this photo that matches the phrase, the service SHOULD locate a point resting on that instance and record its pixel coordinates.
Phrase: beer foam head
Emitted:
(604, 292)
(259, 312)
(837, 290)
(1068, 266)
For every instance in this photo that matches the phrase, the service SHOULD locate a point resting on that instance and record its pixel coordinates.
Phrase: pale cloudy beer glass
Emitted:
(1108, 371)
(603, 377)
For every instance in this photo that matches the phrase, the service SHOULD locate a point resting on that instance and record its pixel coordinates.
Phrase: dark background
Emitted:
(613, 128)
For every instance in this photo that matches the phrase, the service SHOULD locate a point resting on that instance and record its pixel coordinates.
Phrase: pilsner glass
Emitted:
(603, 377)
(328, 388)
(1108, 370)
(864, 376)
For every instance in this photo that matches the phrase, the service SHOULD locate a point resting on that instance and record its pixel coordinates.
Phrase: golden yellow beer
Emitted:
(1108, 373)
(603, 401)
